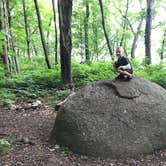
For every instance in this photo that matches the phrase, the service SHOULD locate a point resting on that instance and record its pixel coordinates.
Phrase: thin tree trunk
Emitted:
(48, 34)
(34, 48)
(162, 46)
(10, 64)
(26, 29)
(65, 12)
(11, 40)
(148, 29)
(136, 35)
(81, 40)
(105, 31)
(86, 28)
(95, 40)
(56, 33)
(42, 35)
(124, 23)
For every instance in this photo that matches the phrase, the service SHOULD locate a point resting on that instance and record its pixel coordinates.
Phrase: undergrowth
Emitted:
(36, 80)
(5, 147)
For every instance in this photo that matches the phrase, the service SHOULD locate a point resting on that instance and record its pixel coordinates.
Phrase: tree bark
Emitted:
(56, 33)
(34, 48)
(65, 12)
(124, 24)
(11, 40)
(162, 46)
(81, 41)
(136, 35)
(148, 28)
(95, 40)
(42, 35)
(26, 29)
(86, 29)
(48, 34)
(3, 52)
(105, 31)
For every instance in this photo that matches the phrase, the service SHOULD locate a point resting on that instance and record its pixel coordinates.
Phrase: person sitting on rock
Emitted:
(123, 65)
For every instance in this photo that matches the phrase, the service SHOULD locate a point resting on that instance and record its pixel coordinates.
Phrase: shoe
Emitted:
(130, 77)
(119, 77)
(127, 78)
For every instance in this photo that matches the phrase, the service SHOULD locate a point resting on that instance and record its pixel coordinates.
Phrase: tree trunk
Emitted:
(48, 34)
(105, 31)
(148, 29)
(124, 24)
(81, 42)
(34, 48)
(3, 50)
(162, 46)
(42, 35)
(65, 12)
(56, 33)
(136, 35)
(86, 28)
(95, 40)
(11, 40)
(26, 29)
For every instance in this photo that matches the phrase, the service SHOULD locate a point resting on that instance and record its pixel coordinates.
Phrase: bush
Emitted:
(155, 73)
(5, 147)
(84, 73)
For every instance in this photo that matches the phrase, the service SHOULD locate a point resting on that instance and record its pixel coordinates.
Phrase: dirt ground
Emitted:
(27, 124)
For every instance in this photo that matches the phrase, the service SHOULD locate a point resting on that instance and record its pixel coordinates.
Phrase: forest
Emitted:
(52, 48)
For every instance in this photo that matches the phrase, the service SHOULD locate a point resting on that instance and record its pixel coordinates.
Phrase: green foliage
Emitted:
(6, 96)
(84, 73)
(155, 73)
(2, 72)
(5, 147)
(36, 80)
(60, 149)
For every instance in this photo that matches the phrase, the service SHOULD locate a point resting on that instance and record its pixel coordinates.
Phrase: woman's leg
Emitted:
(124, 72)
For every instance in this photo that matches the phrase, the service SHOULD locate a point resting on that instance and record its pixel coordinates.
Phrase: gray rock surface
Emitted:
(113, 119)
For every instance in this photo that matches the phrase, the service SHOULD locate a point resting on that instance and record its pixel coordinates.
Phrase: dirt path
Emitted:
(28, 125)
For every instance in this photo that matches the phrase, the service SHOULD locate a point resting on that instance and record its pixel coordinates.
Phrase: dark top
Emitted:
(123, 61)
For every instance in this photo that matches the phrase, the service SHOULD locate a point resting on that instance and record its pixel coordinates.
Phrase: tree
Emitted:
(135, 40)
(65, 12)
(86, 29)
(148, 28)
(104, 28)
(11, 39)
(163, 46)
(56, 33)
(45, 48)
(26, 28)
(95, 38)
(3, 49)
(136, 34)
(125, 24)
(48, 34)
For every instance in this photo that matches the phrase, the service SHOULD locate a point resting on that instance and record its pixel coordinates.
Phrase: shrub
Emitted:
(5, 146)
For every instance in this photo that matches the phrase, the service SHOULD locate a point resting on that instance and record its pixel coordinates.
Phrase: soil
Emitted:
(27, 125)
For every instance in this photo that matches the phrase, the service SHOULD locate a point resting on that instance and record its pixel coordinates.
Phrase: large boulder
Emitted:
(113, 119)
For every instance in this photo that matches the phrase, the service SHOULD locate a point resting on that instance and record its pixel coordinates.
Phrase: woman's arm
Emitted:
(128, 66)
